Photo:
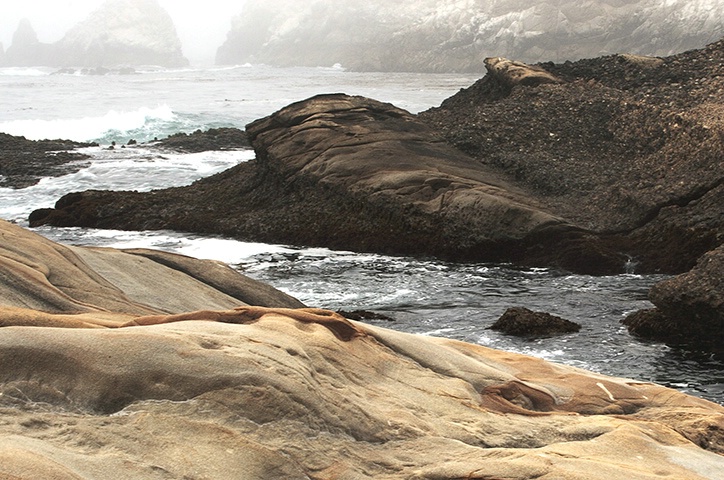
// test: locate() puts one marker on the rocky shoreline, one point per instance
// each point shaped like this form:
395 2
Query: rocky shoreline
601 166
118 363
612 166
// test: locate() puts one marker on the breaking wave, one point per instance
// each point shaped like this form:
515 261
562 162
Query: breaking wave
142 124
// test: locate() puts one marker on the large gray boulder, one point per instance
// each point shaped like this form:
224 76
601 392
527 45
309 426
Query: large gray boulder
450 35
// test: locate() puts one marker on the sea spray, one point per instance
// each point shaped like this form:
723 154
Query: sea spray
142 124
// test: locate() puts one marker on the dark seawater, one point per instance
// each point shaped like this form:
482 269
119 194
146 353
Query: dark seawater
425 296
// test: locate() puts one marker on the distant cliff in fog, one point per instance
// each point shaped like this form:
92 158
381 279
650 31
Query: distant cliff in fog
120 32
456 35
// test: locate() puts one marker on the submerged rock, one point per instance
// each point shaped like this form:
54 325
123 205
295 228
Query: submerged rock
524 322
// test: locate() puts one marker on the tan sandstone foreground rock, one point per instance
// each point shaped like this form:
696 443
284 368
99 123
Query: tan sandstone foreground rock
295 393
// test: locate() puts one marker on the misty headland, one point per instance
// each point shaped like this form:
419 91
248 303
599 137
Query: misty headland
364 35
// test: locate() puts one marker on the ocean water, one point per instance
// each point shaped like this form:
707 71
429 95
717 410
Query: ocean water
424 296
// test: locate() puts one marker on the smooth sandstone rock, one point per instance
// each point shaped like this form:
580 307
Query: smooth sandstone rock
101 379
280 394
39 274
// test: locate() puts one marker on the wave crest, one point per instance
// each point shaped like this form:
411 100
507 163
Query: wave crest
142 124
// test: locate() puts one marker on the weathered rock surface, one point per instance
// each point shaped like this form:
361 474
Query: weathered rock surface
142 364
455 35
689 307
524 322
276 393
627 147
120 32
38 274
352 173
24 162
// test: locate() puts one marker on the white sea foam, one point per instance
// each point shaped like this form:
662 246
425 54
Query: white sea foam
23 72
89 128
137 168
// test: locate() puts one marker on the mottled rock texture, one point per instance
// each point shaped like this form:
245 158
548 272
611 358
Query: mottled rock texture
24 162
140 364
629 148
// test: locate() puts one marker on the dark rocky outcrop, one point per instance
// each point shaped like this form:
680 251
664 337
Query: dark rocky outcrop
626 147
689 307
352 173
120 32
527 323
24 162
449 35
606 165
201 141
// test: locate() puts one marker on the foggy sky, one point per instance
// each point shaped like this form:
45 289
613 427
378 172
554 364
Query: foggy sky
202 25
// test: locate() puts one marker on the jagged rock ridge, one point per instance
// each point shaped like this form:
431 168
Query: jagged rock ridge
625 146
